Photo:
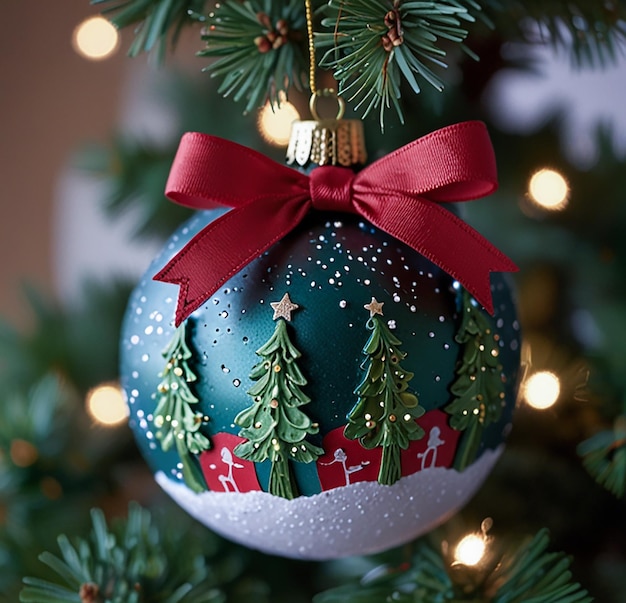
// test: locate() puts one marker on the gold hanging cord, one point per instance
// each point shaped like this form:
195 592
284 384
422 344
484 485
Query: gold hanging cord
315 93
309 32
324 141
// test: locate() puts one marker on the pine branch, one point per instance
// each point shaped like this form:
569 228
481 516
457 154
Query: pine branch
135 174
49 471
135 561
373 46
593 32
154 20
377 44
260 49
61 339
33 429
604 456
526 573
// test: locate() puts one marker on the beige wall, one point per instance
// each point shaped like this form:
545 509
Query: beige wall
51 100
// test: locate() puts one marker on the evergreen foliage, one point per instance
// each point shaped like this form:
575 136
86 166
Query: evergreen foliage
274 426
134 169
154 21
526 573
136 176
44 368
604 456
177 423
59 335
478 388
594 33
385 412
260 49
136 561
376 44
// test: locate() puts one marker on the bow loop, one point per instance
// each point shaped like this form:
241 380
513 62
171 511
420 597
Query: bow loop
400 194
331 189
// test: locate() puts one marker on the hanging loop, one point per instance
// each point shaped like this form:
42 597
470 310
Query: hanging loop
326 92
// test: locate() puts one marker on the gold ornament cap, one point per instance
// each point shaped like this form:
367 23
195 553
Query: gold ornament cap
327 141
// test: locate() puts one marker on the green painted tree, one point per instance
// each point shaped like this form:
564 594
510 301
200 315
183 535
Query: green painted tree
385 412
478 389
275 427
177 423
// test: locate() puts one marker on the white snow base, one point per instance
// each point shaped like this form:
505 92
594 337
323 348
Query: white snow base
357 519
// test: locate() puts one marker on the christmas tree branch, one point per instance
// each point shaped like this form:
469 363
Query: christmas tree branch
372 46
594 33
137 560
604 456
154 21
260 47
527 572
135 172
60 336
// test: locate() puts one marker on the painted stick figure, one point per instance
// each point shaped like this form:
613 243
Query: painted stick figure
341 457
434 441
226 480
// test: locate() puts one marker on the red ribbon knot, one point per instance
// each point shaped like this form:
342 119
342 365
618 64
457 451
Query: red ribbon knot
401 194
331 189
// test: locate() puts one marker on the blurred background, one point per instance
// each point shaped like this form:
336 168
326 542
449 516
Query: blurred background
85 148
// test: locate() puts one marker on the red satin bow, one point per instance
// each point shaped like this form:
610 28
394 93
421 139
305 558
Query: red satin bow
398 193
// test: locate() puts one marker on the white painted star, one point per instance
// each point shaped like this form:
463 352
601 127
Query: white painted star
375 307
284 308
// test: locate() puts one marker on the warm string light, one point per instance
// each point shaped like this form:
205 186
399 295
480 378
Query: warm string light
470 550
473 559
274 122
95 39
548 189
106 405
541 390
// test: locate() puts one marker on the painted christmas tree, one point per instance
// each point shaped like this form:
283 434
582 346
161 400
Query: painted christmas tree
385 412
479 386
177 423
275 427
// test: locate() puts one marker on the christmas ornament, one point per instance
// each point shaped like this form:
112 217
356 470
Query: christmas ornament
327 383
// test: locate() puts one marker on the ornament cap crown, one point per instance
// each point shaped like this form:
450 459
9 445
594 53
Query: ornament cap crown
327 141
339 142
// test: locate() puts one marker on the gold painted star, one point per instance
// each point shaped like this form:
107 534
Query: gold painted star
375 307
284 308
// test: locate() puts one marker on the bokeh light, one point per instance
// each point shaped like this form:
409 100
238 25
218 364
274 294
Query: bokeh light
275 123
548 189
470 550
106 405
23 453
541 390
95 38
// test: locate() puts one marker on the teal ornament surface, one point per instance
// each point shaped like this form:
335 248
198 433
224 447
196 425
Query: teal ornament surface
331 267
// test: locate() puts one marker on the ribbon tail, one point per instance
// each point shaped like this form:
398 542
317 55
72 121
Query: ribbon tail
447 242
233 240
